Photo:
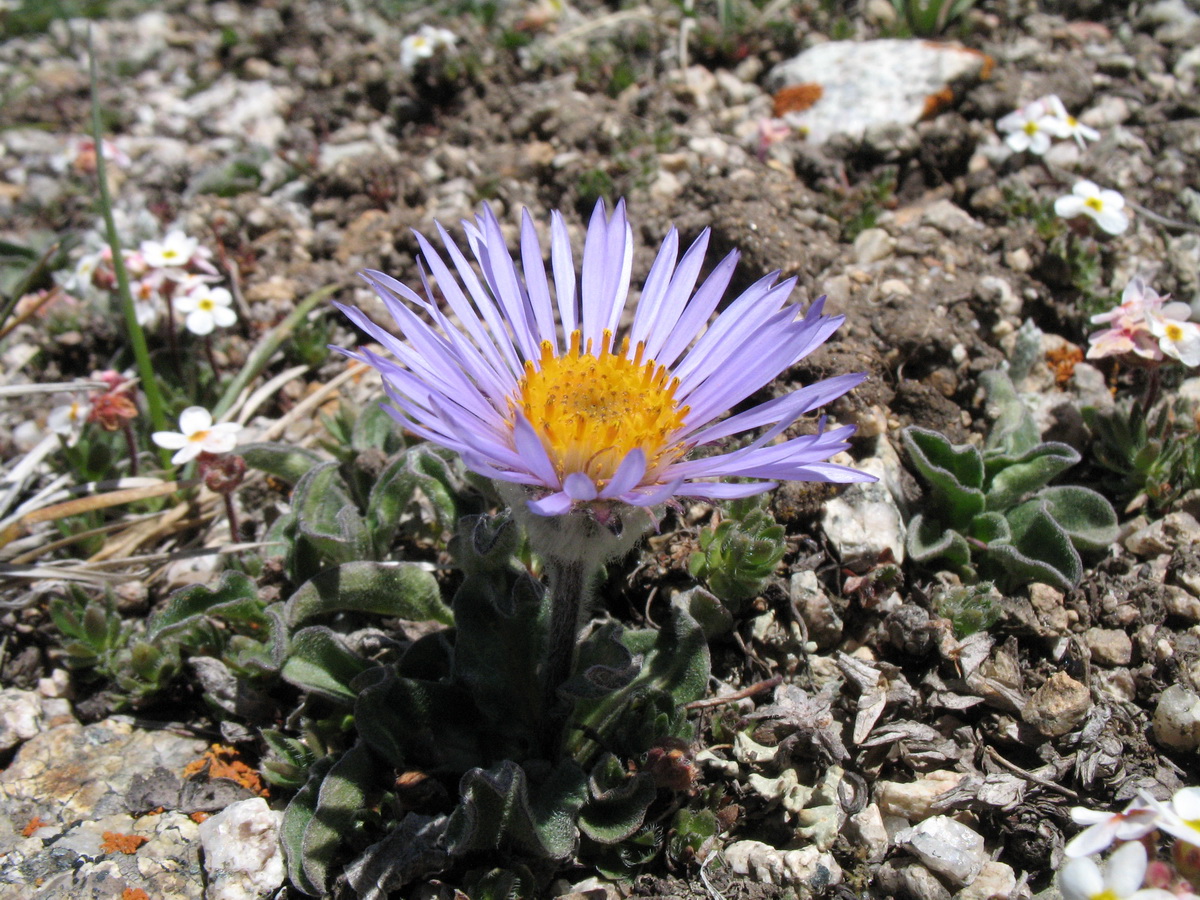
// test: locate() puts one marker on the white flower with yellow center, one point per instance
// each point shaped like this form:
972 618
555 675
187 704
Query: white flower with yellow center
1121 878
1087 198
67 420
173 252
197 434
1030 128
1069 126
1177 337
206 308
422 45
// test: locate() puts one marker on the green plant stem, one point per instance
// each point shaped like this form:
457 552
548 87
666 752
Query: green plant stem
570 590
137 338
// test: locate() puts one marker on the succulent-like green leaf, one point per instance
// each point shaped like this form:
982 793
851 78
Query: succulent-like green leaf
690 829
290 760
929 539
1040 550
419 471
400 589
1086 516
617 801
955 473
1014 433
990 527
738 556
286 461
1027 473
235 599
296 819
329 528
319 662
500 810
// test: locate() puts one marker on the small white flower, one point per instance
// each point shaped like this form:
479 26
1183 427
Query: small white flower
172 252
1030 128
1082 879
1068 125
1181 817
197 434
1177 337
67 420
206 308
1088 199
1135 821
422 45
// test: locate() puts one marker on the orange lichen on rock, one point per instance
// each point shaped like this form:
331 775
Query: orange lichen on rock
797 97
1062 361
122 843
134 894
198 816
936 102
34 824
220 761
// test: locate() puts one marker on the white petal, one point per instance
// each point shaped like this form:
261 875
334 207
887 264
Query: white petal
1080 879
1186 803
193 419
187 453
200 322
1112 220
1126 869
169 440
1069 207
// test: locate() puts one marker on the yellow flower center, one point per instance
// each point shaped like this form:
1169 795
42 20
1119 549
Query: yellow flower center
1094 203
1106 894
1031 128
1174 332
206 305
1072 121
590 410
198 436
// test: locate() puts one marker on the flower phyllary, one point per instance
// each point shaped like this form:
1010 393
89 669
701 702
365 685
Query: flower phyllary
1104 206
579 415
197 434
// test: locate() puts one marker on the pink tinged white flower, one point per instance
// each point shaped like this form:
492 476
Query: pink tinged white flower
1130 329
575 414
197 434
422 45
173 252
1181 817
1135 821
1069 126
1121 878
206 308
1030 128
1177 337
67 420
1087 198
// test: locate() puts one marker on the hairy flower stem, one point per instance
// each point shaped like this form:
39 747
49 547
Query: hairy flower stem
131 443
231 515
570 595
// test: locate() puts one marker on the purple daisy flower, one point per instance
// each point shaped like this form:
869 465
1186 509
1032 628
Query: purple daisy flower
578 414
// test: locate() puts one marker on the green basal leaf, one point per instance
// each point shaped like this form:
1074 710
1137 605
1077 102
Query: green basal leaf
419 472
1040 550
954 473
401 590
296 818
990 527
374 429
1014 433
345 791
690 829
928 539
1086 516
235 599
500 810
286 461
1027 473
617 801
320 663
329 527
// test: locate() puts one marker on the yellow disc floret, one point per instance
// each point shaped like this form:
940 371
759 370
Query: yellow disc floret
591 408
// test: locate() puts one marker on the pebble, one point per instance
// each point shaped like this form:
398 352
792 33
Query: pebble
823 623
1163 536
997 292
873 245
807 868
243 859
867 831
863 521
1109 646
948 218
20 716
948 847
1048 604
914 800
995 881
1058 705
1176 721
1182 603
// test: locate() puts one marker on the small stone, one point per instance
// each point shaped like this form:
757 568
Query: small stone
1048 604
997 292
57 686
948 218
815 607
914 800
948 847
995 881
1177 719
1058 705
908 879
1018 260
866 829
20 716
806 868
872 245
1163 536
1182 603
1109 646
242 854
863 521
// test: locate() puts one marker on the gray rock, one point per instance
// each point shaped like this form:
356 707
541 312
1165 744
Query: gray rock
948 847
1171 531
823 623
20 716
949 219
1059 705
872 245
1177 719
995 881
869 84
1109 646
864 521
243 859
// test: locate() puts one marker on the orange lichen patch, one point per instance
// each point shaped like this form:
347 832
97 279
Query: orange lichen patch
34 824
797 97
198 816
122 843
1062 361
936 102
134 894
220 761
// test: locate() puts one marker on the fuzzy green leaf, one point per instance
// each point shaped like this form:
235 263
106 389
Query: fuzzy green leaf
328 524
954 473
344 793
1086 516
1027 473
617 801
403 590
320 663
235 599
928 539
418 471
286 461
1040 550
296 819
